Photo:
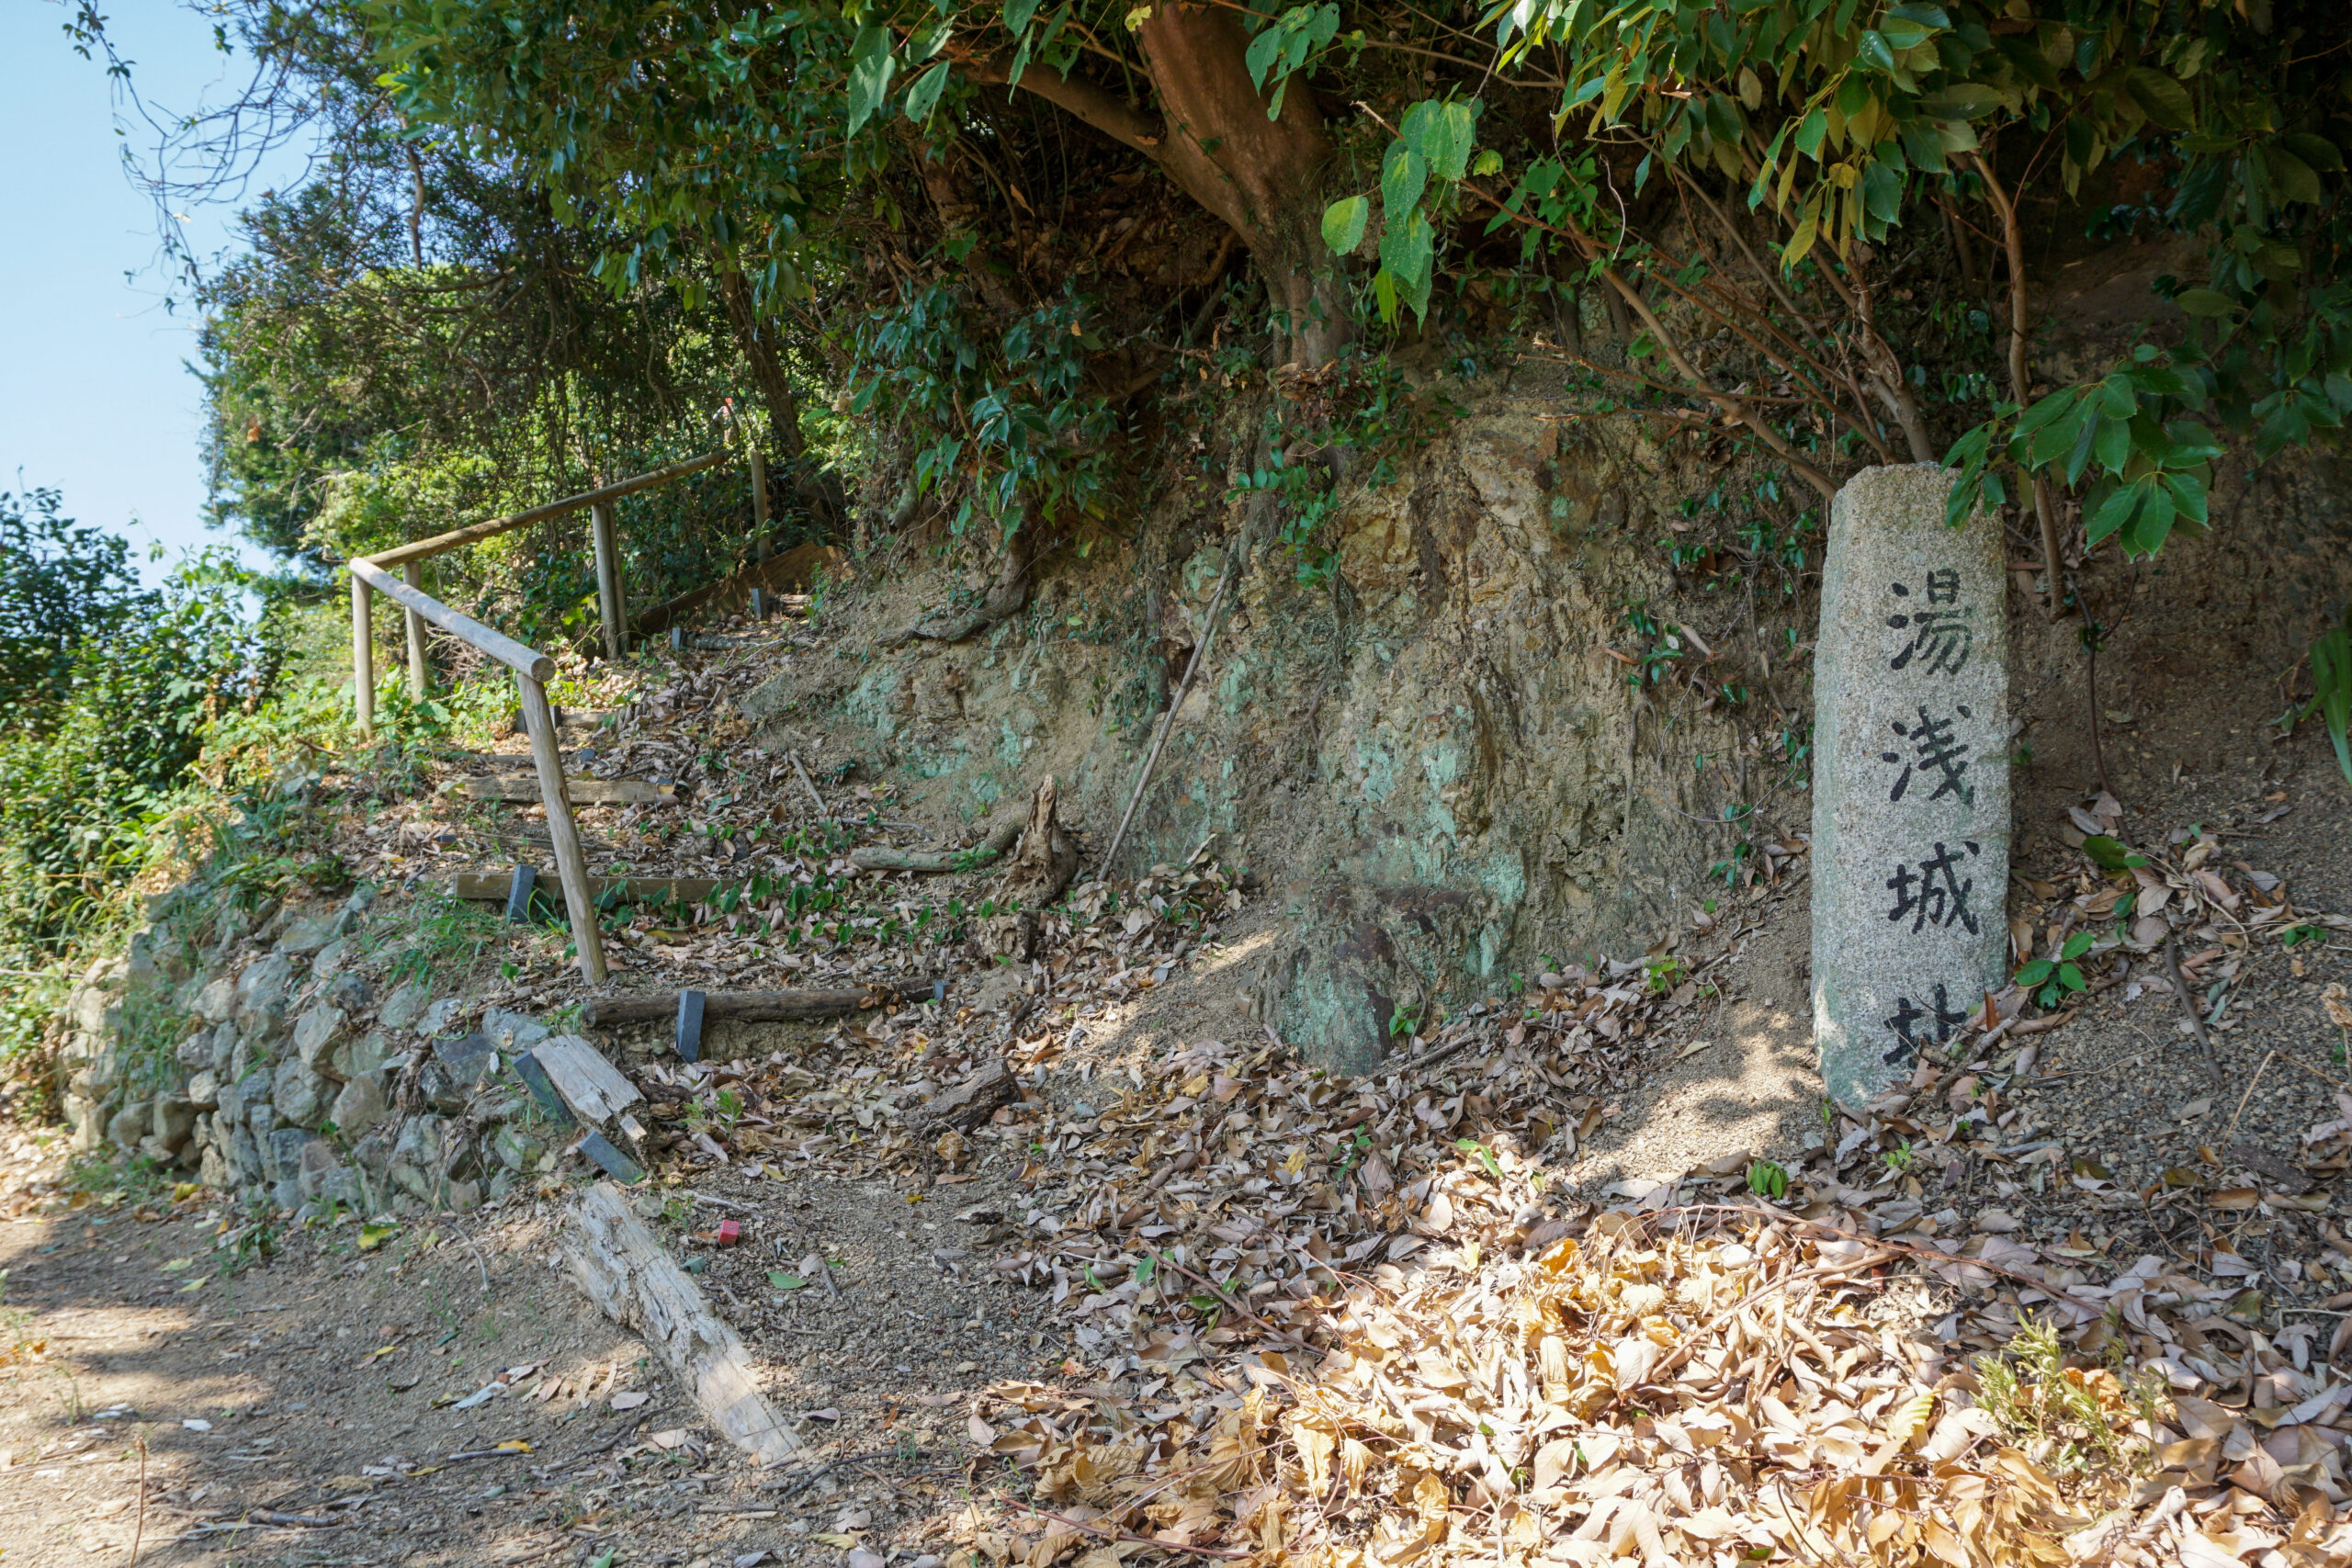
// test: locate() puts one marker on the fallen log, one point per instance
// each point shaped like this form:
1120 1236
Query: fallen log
632 1279
979 854
763 1007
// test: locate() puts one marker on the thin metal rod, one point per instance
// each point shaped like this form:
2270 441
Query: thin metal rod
420 674
400 554
366 574
759 504
609 604
1200 657
579 902
363 657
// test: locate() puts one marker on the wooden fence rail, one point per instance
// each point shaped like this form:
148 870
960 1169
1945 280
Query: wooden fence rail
532 669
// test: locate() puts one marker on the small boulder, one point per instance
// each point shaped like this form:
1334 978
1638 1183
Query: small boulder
127 1126
316 1033
403 1006
285 1155
436 1019
513 1033
172 1123
306 934
351 993
369 1053
515 1149
361 1106
264 982
204 1091
298 1092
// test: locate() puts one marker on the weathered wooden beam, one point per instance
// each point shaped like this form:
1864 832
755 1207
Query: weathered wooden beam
766 1007
492 886
525 662
583 791
474 532
632 1279
570 865
599 1094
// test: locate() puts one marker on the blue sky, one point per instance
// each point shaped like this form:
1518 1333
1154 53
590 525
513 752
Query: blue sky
96 398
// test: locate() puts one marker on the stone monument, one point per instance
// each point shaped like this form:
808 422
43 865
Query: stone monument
1910 778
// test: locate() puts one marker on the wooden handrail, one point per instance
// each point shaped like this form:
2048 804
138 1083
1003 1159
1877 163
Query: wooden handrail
498 644
473 533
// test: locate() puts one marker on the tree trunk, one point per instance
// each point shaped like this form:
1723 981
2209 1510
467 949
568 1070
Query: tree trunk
757 342
1212 137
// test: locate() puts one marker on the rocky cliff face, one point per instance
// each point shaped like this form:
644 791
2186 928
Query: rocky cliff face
1430 754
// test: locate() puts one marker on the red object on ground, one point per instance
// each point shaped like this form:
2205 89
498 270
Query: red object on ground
729 1233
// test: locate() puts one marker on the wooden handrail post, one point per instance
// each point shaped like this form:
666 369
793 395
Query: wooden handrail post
578 897
419 673
608 580
759 501
363 657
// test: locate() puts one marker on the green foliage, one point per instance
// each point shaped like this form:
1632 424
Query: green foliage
2060 976
1767 1179
107 691
999 422
2332 677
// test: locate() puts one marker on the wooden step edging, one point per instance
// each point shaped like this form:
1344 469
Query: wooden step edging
764 1007
582 791
477 886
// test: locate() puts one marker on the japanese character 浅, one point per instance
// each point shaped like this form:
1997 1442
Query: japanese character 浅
1937 752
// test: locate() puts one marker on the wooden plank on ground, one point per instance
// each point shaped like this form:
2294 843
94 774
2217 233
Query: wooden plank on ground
492 886
767 1007
583 791
633 1280
599 1094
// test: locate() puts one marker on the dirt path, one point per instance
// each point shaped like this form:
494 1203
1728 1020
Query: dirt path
304 1410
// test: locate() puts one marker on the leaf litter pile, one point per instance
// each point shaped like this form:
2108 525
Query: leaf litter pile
1359 1321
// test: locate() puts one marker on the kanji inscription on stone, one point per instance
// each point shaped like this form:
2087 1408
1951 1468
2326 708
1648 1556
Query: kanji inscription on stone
1910 784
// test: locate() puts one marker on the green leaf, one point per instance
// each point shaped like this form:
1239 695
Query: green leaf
1343 223
1017 14
2113 854
1404 176
2071 978
1813 132
1962 100
2296 180
869 74
2164 100
2317 151
784 1281
2077 944
1441 132
2035 973
923 96
2332 680
2204 302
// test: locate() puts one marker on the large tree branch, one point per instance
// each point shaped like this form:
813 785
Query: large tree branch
2045 506
1105 111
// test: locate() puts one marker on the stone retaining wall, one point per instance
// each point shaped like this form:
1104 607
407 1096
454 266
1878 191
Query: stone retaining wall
267 1065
